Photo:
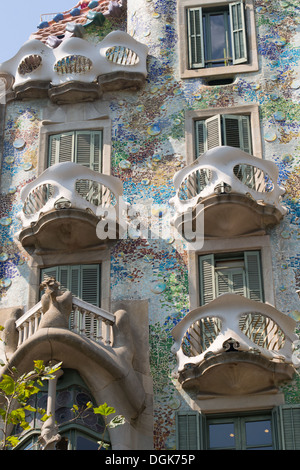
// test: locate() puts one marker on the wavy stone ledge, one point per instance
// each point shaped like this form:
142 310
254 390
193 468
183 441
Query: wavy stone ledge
235 373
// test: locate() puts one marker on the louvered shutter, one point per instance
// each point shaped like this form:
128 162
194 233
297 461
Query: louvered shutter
64 278
49 272
200 138
286 424
190 430
90 284
213 132
236 131
231 280
238 281
61 148
222 282
195 38
74 280
245 133
207 279
238 32
253 275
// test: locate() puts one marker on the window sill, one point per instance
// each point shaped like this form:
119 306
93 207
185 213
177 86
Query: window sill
220 72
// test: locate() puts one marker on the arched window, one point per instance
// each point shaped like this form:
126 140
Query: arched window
80 431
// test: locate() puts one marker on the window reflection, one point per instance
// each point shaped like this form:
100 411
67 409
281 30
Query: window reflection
222 435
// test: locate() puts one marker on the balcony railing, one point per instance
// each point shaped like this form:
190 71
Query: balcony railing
117 62
70 185
225 170
85 319
234 322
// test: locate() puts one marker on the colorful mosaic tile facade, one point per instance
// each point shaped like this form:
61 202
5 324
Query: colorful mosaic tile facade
148 147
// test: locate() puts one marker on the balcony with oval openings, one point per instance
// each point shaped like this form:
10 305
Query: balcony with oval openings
64 205
237 193
234 346
77 70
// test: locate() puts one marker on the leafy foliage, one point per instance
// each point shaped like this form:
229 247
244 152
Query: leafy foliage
15 392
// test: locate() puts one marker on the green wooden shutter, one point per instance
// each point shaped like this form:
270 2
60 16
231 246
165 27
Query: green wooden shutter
207 279
200 138
49 272
253 275
213 130
230 280
238 33
61 148
195 38
82 147
74 280
64 278
236 131
245 134
90 284
190 430
286 425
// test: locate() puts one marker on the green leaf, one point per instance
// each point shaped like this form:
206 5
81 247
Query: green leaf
103 445
13 440
116 421
29 408
104 410
7 384
45 417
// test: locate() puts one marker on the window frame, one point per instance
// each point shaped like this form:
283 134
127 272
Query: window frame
222 71
204 114
229 245
285 424
245 271
239 422
49 128
69 269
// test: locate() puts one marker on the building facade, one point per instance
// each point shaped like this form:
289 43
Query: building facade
150 220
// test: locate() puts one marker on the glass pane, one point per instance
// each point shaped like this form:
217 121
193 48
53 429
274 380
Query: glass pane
217 30
86 444
258 433
221 435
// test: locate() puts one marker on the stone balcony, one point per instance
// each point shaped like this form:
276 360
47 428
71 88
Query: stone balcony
76 70
237 192
234 346
64 205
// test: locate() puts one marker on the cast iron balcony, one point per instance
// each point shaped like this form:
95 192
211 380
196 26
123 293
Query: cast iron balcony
63 206
238 193
234 345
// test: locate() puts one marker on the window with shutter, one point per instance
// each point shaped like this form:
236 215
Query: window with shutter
238 273
216 36
82 147
286 421
82 280
190 430
226 129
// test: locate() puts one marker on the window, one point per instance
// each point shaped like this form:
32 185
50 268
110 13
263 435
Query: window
82 431
277 429
82 147
227 129
82 280
237 273
216 38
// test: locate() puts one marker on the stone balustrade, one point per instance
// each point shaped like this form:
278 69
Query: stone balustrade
85 319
